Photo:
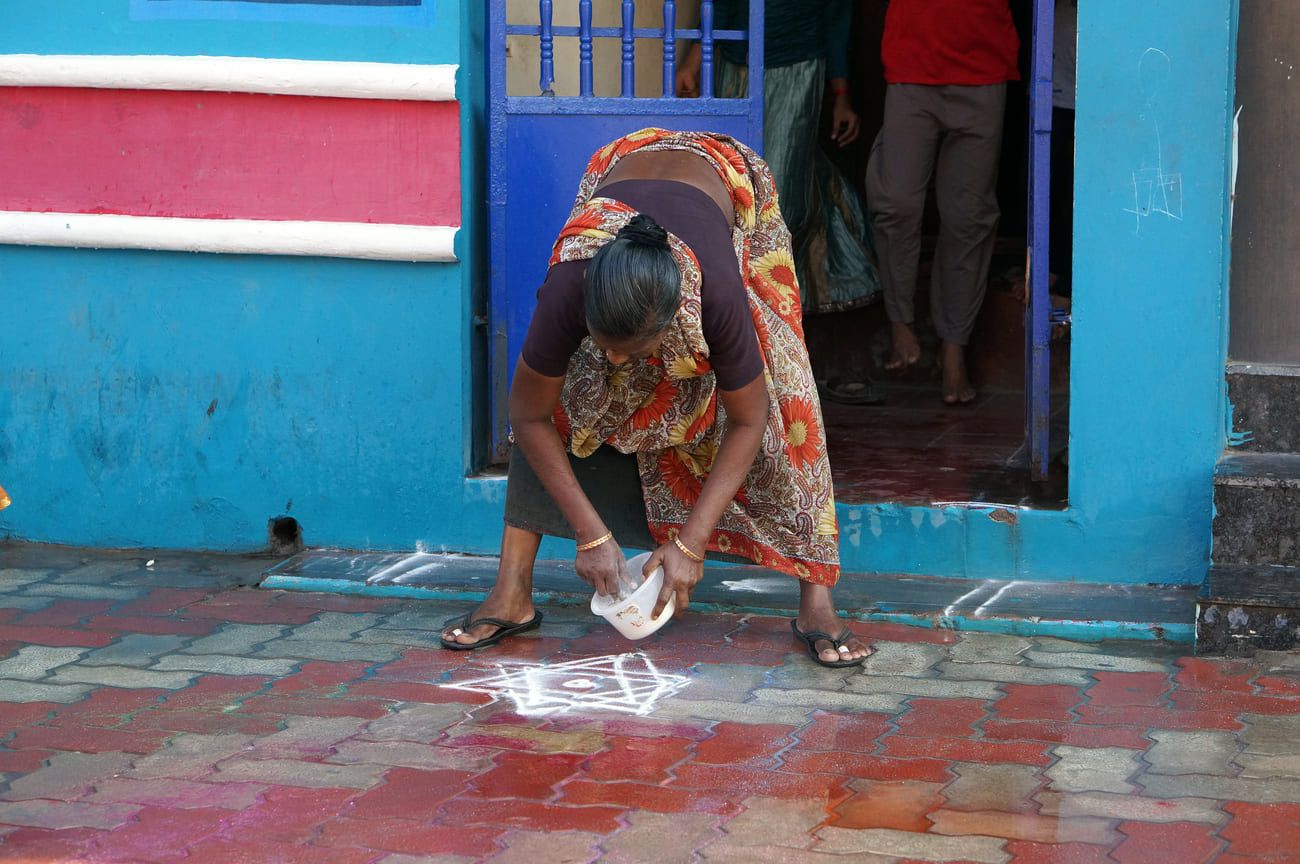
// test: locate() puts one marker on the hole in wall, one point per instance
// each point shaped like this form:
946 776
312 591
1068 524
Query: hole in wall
284 535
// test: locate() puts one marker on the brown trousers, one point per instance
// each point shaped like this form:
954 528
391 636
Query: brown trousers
953 135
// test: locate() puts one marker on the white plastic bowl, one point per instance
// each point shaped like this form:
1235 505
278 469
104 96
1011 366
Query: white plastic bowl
631 615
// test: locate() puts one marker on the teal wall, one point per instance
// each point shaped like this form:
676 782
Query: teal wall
352 388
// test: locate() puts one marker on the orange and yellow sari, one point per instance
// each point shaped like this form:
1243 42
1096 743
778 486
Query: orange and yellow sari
665 409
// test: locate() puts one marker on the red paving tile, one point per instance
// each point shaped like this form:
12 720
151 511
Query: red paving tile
1129 689
409 793
741 743
530 815
645 760
1216 676
205 722
45 846
22 761
57 637
642 796
1271 831
216 692
525 775
308 706
162 601
1074 734
1237 703
160 834
15 714
250 612
157 626
773 784
107 706
848 732
288 814
409 691
850 764
1184 842
408 837
1160 718
64 613
88 739
887 632
1024 852
318 678
964 750
1271 685
1037 702
223 851
901 806
946 718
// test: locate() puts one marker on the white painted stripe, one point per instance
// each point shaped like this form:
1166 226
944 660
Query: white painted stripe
237 236
353 80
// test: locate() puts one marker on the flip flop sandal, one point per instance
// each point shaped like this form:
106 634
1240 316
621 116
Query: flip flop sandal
812 637
851 393
507 628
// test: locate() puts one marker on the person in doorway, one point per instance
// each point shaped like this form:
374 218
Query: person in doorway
946 67
805 50
664 398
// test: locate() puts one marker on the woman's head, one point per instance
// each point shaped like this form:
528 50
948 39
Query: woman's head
633 290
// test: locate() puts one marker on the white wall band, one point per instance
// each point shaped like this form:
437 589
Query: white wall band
235 236
345 79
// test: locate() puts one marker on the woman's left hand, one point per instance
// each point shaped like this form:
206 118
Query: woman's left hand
845 123
681 575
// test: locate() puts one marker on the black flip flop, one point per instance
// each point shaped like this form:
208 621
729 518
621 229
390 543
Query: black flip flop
812 637
507 628
867 394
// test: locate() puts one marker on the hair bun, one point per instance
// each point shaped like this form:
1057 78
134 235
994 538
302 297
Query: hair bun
641 230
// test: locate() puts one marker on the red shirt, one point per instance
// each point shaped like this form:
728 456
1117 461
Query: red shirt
970 42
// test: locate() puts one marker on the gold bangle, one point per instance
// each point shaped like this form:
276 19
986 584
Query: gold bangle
698 559
594 543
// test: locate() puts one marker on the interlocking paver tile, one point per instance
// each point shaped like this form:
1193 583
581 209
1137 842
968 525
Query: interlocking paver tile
409 754
1027 852
908 844
1270 831
726 851
936 688
57 636
221 664
416 722
410 793
668 838
523 775
121 676
1024 826
1184 842
941 717
1009 674
385 636
61 613
189 756
796 673
83 592
904 658
235 639
1093 769
65 814
769 711
531 815
66 776
1271 735
850 732
1145 808
738 743
646 796
409 836
88 739
295 772
333 626
34 662
306 737
867 766
41 845
988 648
776 822
1007 788
519 737
1260 791
723 680
182 794
1192 752
303 649
645 760
1037 702
967 750
1092 660
160 834
900 804
1258 765
135 649
845 701
402 858
564 847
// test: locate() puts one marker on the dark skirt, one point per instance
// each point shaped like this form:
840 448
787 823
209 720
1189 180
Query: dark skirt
610 480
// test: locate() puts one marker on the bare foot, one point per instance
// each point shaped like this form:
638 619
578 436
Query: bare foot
906 350
957 389
817 612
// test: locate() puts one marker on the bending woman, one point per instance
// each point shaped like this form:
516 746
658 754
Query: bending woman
664 398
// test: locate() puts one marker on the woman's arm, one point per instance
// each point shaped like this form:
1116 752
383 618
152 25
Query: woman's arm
747 410
533 399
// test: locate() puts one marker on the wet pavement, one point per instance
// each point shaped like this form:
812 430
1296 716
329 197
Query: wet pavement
168 713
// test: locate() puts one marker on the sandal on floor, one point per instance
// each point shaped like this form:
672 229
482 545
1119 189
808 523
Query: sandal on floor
507 628
812 637
850 393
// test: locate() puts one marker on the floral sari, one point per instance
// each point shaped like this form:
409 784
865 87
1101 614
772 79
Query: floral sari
665 409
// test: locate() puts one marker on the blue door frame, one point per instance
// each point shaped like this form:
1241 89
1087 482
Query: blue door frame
540 144
1038 314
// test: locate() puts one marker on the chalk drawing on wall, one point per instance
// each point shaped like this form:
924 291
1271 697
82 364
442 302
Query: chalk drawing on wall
1156 191
380 13
626 683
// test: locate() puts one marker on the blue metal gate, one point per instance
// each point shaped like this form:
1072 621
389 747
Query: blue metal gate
1039 315
539 145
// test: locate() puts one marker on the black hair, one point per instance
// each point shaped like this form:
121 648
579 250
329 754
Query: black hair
633 286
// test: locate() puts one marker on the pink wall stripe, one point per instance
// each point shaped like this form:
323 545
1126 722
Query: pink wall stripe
229 156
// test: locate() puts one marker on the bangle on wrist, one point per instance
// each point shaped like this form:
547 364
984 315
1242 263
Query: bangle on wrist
698 559
584 547
839 89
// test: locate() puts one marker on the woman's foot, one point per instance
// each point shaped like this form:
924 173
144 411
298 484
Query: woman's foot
817 613
511 598
957 389
906 349
515 610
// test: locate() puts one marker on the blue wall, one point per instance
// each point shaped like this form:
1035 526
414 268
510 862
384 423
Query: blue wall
351 388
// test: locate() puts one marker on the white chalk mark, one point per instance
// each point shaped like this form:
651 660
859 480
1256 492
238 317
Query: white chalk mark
952 607
1155 190
626 683
979 613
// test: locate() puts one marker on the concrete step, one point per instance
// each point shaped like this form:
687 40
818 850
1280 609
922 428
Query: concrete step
1247 608
1257 509
1265 407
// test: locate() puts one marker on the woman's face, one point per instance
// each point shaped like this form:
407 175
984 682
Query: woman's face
618 351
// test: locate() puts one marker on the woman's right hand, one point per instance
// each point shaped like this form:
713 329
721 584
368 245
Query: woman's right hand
603 567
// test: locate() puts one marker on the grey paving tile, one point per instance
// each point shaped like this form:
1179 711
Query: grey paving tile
1149 807
333 626
908 844
418 722
121 676
33 662
1090 660
135 649
66 775
932 688
830 701
179 794
337 651
1178 752
77 591
33 691
749 712
1271 735
294 772
1008 788
904 658
226 665
1093 769
988 648
235 639
189 756
60 815
1258 790
1008 674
